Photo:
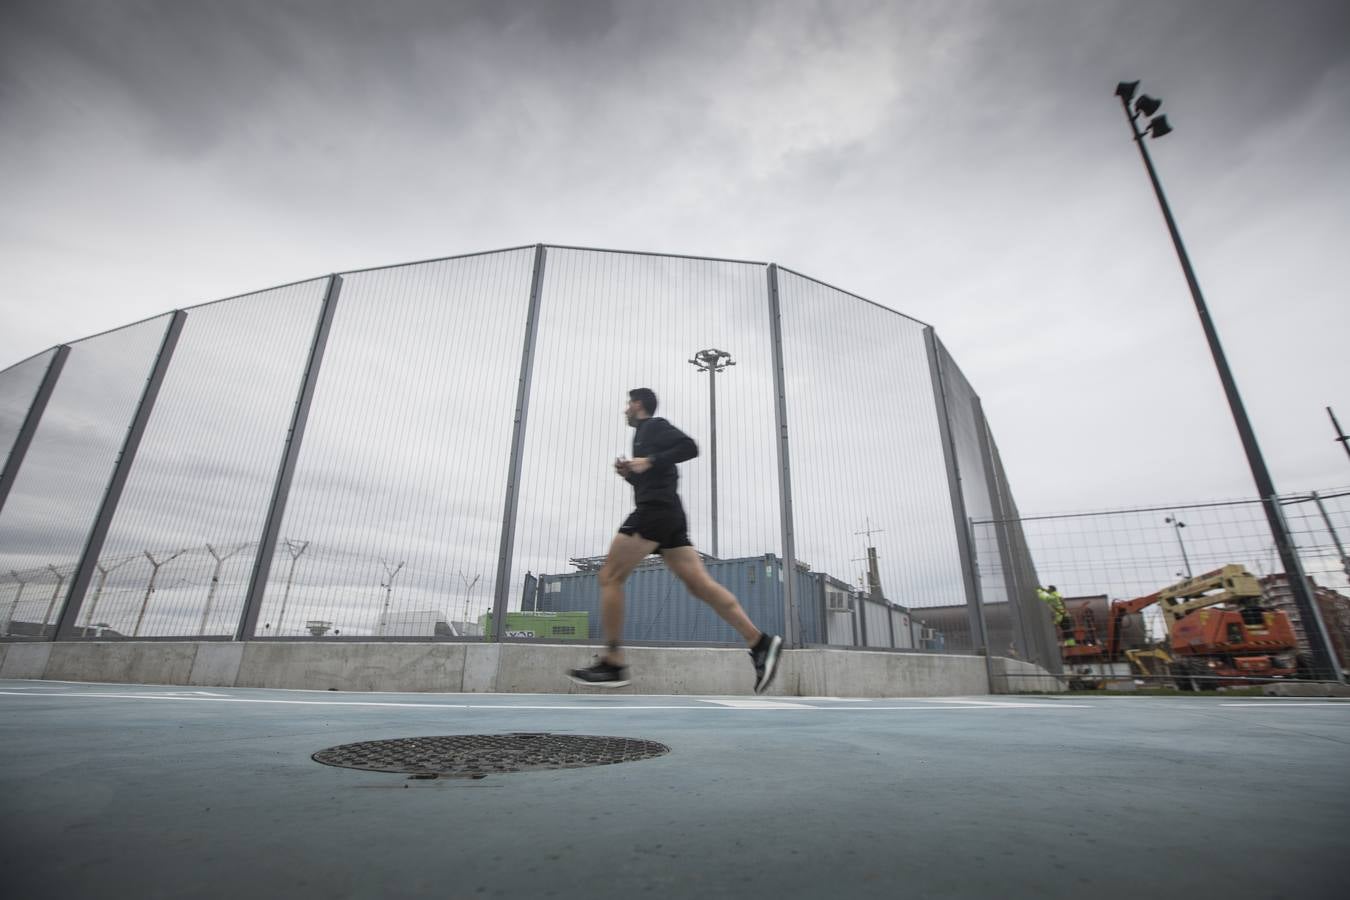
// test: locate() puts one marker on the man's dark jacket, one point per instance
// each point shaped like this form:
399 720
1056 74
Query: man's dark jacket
665 445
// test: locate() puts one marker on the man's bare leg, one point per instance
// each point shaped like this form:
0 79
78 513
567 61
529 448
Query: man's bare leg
625 552
688 565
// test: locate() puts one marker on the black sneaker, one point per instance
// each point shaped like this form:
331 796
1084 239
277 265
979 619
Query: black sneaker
602 674
765 656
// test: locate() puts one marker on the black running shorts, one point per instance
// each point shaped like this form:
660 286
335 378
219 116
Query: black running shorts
664 524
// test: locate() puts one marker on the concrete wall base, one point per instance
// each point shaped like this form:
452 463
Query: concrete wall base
508 668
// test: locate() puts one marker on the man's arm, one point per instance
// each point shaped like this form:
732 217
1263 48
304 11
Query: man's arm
671 445
624 469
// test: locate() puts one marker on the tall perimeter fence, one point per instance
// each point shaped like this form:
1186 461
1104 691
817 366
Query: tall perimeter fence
424 452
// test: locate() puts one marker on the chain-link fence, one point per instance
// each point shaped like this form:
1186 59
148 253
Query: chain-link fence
1191 596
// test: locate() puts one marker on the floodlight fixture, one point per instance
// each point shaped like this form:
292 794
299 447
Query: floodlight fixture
1147 105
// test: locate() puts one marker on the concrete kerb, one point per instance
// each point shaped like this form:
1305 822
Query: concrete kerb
123 662
444 667
216 665
433 667
25 660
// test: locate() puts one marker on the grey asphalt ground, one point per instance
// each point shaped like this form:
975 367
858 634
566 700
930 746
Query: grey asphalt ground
144 791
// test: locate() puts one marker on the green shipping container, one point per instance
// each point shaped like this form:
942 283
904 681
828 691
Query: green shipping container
558 626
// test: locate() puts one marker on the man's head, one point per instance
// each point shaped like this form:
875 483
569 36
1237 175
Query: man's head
641 405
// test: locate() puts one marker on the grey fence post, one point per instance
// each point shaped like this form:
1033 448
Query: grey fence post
1331 529
1010 580
281 489
964 543
823 605
84 570
30 422
1024 570
791 615
507 549
1314 626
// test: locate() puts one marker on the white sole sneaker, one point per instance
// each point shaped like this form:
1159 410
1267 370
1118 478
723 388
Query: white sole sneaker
600 684
770 664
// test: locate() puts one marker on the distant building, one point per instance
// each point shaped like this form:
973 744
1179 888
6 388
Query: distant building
415 623
37 630
1334 606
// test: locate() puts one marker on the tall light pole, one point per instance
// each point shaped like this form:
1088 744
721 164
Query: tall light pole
713 362
1323 659
1178 524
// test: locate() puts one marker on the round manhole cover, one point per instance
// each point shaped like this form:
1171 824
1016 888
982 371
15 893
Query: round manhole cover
476 755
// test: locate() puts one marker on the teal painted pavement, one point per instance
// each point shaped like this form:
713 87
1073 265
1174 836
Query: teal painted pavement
145 791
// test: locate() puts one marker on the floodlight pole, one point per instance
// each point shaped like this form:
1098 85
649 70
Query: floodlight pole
1319 643
1177 524
713 362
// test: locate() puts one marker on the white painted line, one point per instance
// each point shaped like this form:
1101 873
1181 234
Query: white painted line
1280 704
759 704
222 699
1010 704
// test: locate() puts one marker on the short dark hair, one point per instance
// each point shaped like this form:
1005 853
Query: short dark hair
645 397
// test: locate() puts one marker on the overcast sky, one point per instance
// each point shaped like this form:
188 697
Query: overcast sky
962 162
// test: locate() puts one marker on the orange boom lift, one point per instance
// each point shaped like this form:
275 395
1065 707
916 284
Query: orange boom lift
1217 626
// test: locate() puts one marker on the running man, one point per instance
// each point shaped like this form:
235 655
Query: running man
658 524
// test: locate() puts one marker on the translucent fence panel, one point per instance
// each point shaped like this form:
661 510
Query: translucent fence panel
51 508
966 423
1320 525
866 455
393 523
1035 633
18 388
1015 623
611 322
180 549
964 419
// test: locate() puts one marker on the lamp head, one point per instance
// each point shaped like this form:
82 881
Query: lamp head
1159 127
1125 90
1147 105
